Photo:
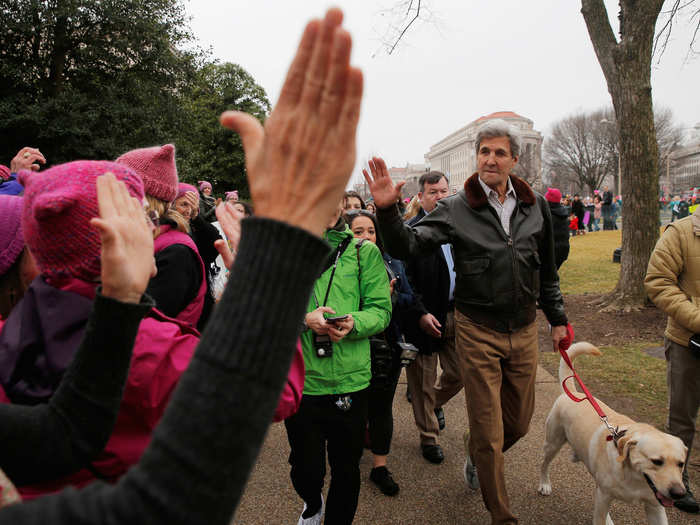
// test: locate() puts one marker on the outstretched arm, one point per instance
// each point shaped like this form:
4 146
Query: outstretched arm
201 454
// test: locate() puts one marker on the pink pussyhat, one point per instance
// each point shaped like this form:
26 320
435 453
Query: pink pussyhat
4 173
11 239
204 184
156 167
232 195
553 195
183 188
58 206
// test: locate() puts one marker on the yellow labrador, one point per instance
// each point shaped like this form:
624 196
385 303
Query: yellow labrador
644 467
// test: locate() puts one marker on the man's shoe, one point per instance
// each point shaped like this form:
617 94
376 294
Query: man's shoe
470 475
440 414
687 503
433 453
382 479
316 519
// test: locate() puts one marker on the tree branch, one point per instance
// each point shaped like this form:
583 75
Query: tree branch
408 25
602 36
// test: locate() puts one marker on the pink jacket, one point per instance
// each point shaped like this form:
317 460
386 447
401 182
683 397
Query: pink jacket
290 399
168 237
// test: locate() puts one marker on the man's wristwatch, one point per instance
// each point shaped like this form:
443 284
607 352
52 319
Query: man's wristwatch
304 326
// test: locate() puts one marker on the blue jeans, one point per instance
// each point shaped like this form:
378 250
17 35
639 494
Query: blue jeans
596 226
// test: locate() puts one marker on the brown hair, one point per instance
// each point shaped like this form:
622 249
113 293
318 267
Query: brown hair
164 210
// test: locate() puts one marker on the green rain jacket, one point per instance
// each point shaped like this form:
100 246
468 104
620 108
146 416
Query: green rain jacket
348 369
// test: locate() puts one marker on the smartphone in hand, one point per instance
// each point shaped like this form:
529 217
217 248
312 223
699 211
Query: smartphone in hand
332 319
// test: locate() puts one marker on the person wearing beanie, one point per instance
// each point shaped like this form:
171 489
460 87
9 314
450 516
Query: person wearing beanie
560 225
207 203
232 196
48 440
17 266
204 235
41 335
179 288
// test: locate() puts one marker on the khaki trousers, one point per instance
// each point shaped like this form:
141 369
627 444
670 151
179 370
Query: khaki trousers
499 372
426 394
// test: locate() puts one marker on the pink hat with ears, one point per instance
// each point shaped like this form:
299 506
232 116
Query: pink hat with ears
11 239
4 172
58 206
204 184
553 195
232 195
156 167
183 188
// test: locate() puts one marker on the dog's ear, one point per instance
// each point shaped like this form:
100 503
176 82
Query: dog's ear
624 444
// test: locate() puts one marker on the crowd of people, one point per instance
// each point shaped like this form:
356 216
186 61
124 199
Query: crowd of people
132 391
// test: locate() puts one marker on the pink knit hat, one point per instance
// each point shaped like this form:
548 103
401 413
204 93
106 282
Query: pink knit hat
553 195
183 188
11 240
204 184
4 172
232 195
58 206
156 167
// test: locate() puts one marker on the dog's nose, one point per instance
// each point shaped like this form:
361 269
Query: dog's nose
677 491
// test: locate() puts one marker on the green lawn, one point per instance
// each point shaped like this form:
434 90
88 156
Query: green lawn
589 268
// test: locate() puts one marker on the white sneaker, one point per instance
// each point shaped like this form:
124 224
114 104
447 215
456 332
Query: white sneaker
316 519
470 475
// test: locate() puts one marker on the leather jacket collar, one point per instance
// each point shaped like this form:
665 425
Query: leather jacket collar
476 197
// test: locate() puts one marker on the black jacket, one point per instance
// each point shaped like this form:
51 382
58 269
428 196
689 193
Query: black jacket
430 281
560 227
500 277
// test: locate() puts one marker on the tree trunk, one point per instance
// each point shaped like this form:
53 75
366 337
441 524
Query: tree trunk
627 69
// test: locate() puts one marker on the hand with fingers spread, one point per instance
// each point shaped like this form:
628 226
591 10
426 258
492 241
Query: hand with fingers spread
230 221
127 242
27 159
383 189
299 163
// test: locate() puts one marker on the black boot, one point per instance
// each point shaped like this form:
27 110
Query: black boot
687 503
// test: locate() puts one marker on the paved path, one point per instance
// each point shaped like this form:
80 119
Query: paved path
436 494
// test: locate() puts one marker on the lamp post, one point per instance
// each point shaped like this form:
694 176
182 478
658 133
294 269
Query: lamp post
619 165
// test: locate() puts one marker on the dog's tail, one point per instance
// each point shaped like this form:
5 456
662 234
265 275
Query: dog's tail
573 352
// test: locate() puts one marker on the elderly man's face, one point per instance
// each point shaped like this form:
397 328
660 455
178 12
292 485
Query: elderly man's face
495 162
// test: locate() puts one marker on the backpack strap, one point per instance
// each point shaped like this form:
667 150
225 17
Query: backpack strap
358 245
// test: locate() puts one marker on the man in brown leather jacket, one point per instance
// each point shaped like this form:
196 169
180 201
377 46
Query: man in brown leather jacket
501 234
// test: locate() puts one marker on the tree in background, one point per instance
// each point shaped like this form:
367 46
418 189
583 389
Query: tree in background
626 65
85 79
206 150
583 148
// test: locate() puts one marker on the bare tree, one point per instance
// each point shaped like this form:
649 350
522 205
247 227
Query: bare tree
626 65
400 17
583 147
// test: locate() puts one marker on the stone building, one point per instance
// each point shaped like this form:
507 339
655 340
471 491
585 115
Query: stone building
410 173
455 155
683 167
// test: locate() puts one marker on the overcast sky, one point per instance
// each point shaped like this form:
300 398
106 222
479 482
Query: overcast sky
471 58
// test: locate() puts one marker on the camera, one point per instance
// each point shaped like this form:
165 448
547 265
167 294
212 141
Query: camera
323 345
408 353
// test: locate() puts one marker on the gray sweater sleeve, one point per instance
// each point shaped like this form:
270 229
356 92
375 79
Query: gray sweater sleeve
51 440
203 450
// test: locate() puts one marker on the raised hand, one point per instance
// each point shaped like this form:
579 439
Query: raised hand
298 165
27 159
230 221
127 241
383 189
193 199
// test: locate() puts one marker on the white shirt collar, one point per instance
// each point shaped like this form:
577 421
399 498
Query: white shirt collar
510 191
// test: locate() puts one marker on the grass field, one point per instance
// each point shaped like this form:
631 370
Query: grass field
589 268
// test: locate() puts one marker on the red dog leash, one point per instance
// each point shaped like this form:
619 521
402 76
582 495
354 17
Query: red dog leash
564 344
